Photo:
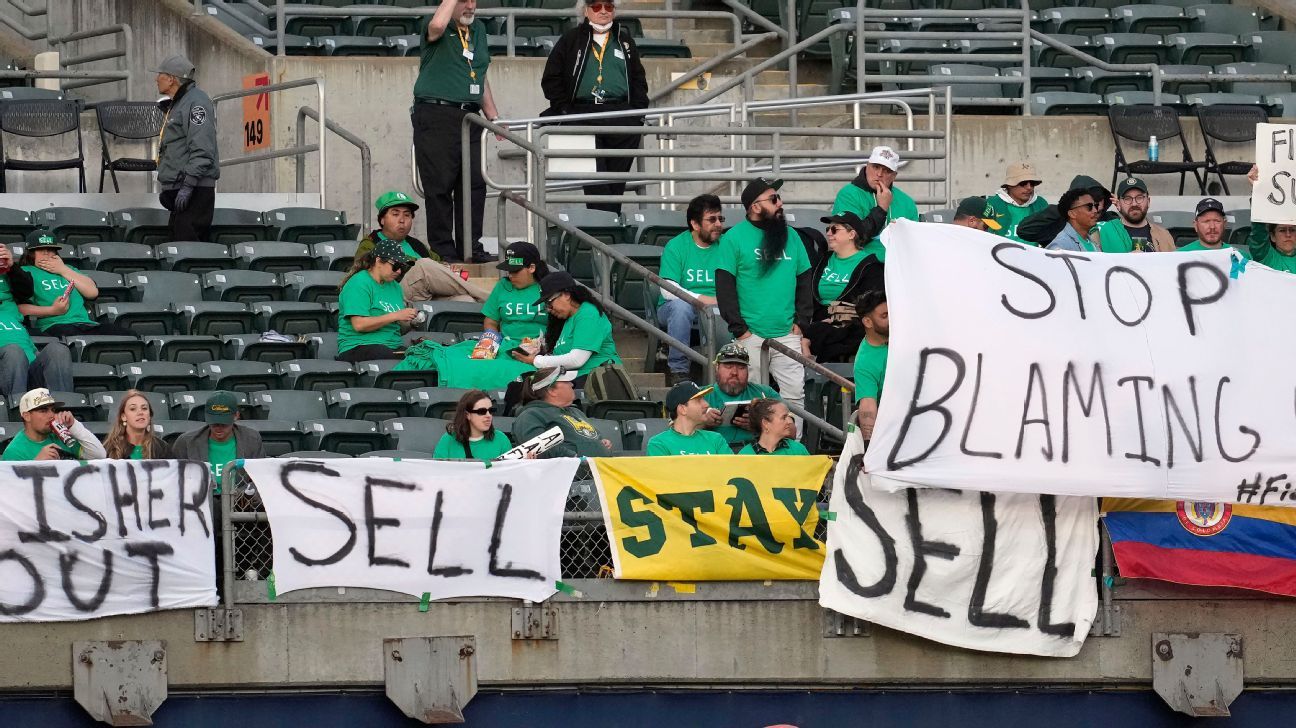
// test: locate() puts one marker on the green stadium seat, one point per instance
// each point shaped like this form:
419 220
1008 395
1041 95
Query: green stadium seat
75 402
575 256
155 314
144 319
1066 103
15 225
111 350
381 373
279 437
231 225
1046 79
162 287
308 225
288 404
193 350
241 286
170 430
314 455
1282 105
1223 98
413 433
962 89
366 403
110 285
611 430
320 375
189 405
654 226
334 254
1259 88
250 347
215 318
120 258
626 285
1151 18
905 45
456 317
1270 46
1132 48
971 47
349 437
624 409
1238 225
238 376
105 403
160 376
147 225
1078 21
88 378
662 48
1210 49
312 26
323 345
74 225
405 45
294 45
640 430
378 26
192 257
945 215
1129 98
313 286
293 318
434 401
1232 19
353 45
273 256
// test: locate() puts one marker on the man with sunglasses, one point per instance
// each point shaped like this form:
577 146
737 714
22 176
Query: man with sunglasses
1080 212
1016 200
874 186
38 440
689 261
1045 225
1132 231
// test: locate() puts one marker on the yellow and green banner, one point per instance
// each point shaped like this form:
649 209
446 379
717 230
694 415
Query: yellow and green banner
712 517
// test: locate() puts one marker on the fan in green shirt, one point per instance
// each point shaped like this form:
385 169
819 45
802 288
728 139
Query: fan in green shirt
767 292
1274 245
1211 225
371 305
733 385
871 359
875 183
471 433
513 307
686 404
453 64
689 261
775 430
580 332
1016 200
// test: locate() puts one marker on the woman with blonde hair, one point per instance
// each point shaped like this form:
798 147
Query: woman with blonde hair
131 436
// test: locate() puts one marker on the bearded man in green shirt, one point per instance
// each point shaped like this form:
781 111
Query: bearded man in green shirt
689 261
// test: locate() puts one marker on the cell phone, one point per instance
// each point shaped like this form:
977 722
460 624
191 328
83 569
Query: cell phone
517 353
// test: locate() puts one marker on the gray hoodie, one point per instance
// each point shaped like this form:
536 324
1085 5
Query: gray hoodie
187 153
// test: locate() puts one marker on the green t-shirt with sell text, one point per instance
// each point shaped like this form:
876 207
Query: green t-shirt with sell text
219 454
701 442
22 447
717 399
518 310
444 67
616 76
786 447
12 330
451 449
46 288
837 274
856 199
590 330
690 265
766 296
363 296
870 370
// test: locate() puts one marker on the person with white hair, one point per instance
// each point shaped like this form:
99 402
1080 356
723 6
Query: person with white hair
875 186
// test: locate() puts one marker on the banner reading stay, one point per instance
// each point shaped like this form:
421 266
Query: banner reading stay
1075 373
449 529
712 517
79 541
1003 573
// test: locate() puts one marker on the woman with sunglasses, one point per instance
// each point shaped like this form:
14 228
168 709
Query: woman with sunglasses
579 333
849 270
131 436
514 308
471 435
371 305
775 430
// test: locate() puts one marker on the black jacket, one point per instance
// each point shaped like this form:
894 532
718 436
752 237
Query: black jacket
368 242
867 276
563 70
1045 225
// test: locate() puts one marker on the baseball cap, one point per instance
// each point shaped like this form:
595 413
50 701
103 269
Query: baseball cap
548 377
1210 204
844 218
556 283
886 157
35 399
1019 172
977 207
519 255
1130 183
177 66
220 409
394 198
45 241
732 353
756 188
682 393
390 250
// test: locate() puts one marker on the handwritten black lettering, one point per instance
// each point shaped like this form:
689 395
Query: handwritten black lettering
501 512
37 475
978 615
1096 386
317 468
996 253
936 406
1147 293
967 426
447 571
845 572
1190 300
373 522
1043 420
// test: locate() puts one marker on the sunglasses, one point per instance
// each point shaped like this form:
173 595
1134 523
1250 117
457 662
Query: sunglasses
1027 183
834 229
772 199
1090 206
601 7
482 411
714 218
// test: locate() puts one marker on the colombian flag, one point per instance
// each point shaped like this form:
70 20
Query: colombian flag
1207 544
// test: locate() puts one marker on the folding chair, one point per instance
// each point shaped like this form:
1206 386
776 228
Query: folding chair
42 118
132 120
1229 124
1139 123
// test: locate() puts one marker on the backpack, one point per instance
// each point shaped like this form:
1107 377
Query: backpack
609 380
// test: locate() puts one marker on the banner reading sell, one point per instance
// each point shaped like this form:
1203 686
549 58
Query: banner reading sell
712 517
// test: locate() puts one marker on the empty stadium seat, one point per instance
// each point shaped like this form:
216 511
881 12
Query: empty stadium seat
962 89
334 254
1047 56
313 286
182 348
1078 21
277 436
350 437
1178 222
232 225
119 258
74 225
1186 87
90 377
273 256
413 433
105 403
1232 19
163 287
1282 105
456 317
1065 103
1270 46
656 227
1046 79
320 375
323 345
251 347
160 376
288 404
366 403
189 405
1095 80
611 430
241 286
193 257
1132 48
434 401
238 376
379 373
294 45
627 285
1209 49
293 318
1232 99
308 225
148 225
111 287
1129 98
624 409
354 45
75 402
215 318
169 430
111 350
1258 88
1152 18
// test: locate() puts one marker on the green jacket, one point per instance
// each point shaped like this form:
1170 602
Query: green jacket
580 438
1008 213
1263 251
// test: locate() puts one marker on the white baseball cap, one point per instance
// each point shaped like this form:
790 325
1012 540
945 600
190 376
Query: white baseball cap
35 399
886 157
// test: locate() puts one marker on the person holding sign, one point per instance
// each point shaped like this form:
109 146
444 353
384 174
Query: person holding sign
871 359
513 308
595 67
975 213
1080 211
689 261
686 435
453 60
471 434
547 399
371 306
131 436
850 270
222 440
428 279
50 433
580 330
59 294
1041 227
1210 224
733 388
1272 244
874 186
775 429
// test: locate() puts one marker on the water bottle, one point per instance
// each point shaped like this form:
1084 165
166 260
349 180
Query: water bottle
1154 150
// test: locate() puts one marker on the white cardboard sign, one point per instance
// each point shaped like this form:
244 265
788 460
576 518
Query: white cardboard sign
1273 199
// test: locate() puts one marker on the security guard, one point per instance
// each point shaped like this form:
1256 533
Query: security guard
188 161
451 84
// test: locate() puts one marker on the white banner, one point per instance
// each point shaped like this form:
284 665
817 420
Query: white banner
449 529
1273 199
1024 370
80 541
1002 573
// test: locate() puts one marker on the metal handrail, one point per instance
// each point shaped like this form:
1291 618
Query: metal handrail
818 368
238 15
702 68
366 159
318 83
124 53
1151 68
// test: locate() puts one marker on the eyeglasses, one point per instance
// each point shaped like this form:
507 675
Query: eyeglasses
1134 200
482 410
834 229
772 199
1090 206
713 218
601 7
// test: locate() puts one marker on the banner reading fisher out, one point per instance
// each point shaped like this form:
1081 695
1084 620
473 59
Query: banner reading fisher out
1273 199
712 517
1003 573
79 541
1018 369
448 529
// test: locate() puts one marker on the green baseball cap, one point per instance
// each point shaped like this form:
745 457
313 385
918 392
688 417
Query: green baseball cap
221 408
394 198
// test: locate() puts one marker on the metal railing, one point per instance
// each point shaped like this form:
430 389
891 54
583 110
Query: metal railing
122 52
366 160
846 385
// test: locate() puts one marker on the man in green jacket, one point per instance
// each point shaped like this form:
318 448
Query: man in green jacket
877 178
428 279
1016 200
547 402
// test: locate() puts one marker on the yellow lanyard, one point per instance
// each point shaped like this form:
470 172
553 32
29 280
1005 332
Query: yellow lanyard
465 39
598 54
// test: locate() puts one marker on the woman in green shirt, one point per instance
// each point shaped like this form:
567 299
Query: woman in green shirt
578 335
513 307
59 294
371 305
850 269
131 436
775 430
471 435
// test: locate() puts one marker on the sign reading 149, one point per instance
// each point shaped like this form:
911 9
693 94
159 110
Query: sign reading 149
256 114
